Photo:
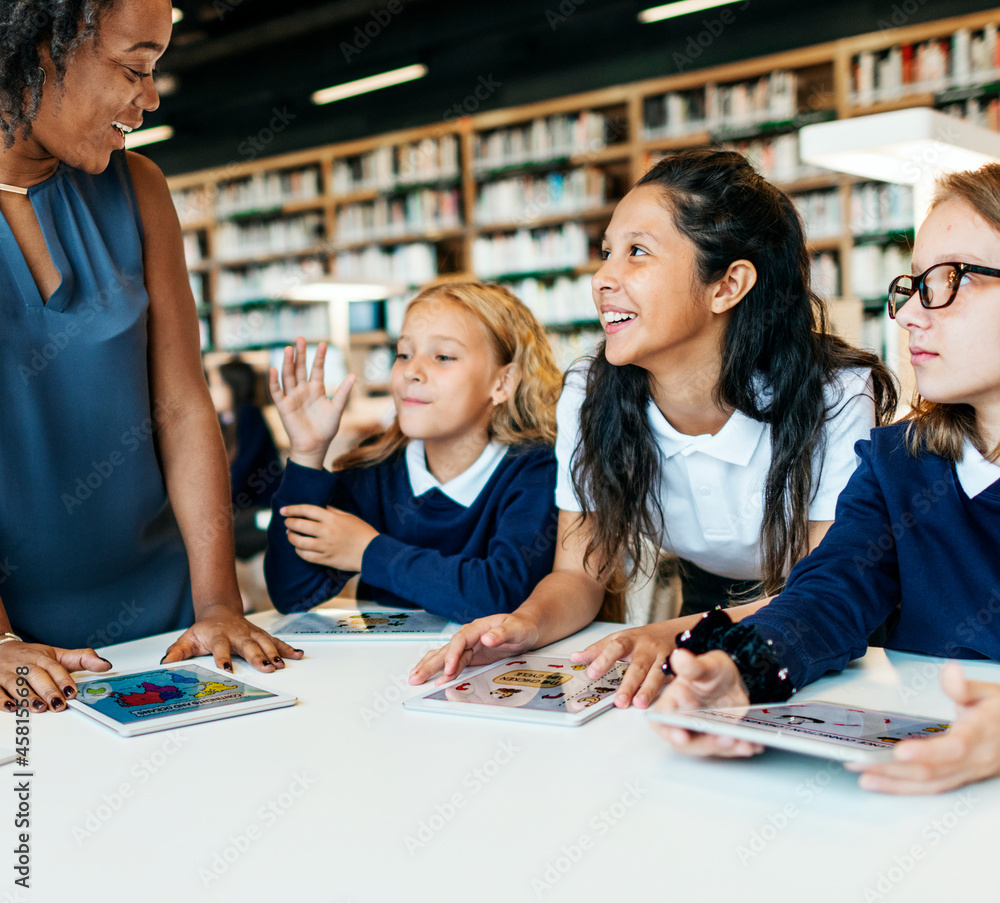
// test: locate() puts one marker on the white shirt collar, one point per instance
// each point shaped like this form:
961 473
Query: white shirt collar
975 473
463 489
734 443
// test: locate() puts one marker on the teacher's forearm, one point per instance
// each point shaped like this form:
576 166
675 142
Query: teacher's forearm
196 472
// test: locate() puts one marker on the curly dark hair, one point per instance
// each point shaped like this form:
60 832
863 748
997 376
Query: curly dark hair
27 26
779 330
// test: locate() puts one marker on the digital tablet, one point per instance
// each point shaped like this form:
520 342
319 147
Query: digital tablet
527 687
158 699
825 729
360 624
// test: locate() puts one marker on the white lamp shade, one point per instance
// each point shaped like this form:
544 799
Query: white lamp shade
903 146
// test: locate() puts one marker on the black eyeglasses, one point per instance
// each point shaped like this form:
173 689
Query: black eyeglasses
937 286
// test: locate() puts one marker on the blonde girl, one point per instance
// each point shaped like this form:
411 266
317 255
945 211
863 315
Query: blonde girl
451 508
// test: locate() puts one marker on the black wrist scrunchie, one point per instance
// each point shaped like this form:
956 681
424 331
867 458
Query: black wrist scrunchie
763 676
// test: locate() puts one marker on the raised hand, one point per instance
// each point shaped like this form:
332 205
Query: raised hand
311 419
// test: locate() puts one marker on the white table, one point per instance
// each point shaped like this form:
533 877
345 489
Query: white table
347 798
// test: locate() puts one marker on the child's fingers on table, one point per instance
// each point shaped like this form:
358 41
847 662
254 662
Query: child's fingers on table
904 783
428 666
653 680
695 744
602 655
632 682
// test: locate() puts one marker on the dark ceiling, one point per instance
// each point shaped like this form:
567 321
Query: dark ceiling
240 67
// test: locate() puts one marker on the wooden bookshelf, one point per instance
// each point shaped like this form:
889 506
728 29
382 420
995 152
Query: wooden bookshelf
820 81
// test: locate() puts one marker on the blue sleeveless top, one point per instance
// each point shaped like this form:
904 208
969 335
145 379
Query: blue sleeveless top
90 552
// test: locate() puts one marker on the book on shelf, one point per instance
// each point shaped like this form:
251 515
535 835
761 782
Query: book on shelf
542 139
524 199
530 250
965 57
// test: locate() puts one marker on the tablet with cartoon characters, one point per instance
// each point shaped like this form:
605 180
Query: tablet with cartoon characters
354 624
825 729
526 687
156 699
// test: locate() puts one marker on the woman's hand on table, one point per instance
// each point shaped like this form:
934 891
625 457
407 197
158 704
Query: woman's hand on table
311 419
705 680
969 751
479 642
644 648
37 677
220 632
327 536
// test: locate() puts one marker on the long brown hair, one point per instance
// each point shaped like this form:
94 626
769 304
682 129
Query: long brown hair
529 414
778 330
935 426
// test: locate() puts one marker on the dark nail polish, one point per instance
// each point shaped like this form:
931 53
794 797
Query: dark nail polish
9 706
68 692
56 703
227 666
300 651
162 660
38 705
277 660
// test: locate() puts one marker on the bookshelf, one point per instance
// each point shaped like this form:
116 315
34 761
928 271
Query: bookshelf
523 195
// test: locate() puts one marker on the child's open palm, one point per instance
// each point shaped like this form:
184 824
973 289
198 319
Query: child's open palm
311 419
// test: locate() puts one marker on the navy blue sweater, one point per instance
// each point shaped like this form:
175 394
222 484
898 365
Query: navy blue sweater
460 563
905 534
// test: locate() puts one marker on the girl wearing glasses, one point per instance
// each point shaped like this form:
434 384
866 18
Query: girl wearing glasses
917 526
717 420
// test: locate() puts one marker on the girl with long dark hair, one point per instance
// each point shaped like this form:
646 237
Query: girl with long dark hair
717 420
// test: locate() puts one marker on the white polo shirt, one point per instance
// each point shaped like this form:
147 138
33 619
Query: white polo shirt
975 473
712 487
463 489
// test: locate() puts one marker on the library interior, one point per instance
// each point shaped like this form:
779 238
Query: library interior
656 337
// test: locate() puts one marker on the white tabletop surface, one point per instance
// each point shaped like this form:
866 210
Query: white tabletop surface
347 798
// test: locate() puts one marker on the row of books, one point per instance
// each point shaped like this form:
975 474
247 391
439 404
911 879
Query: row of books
271 280
564 300
193 248
543 139
288 235
712 107
530 251
824 273
388 217
411 264
776 158
389 167
570 347
254 327
821 213
264 190
982 111
522 200
963 58
197 281
192 204
874 266
881 207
